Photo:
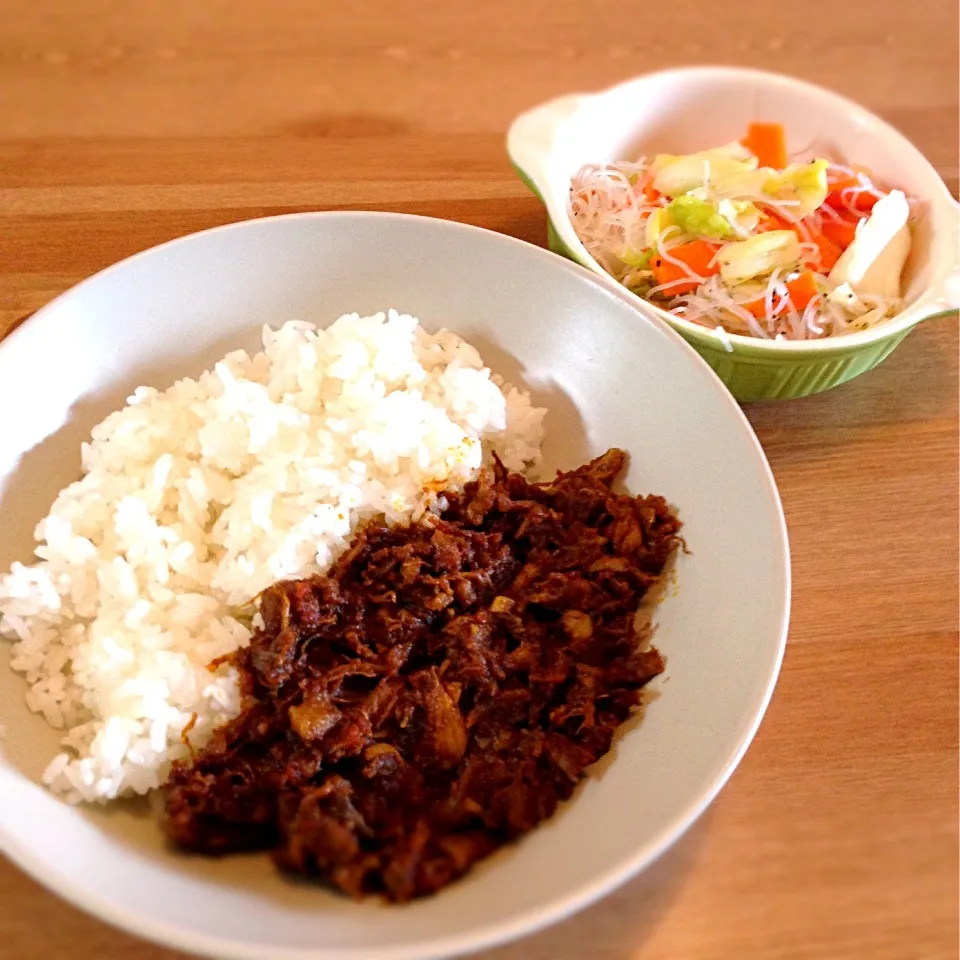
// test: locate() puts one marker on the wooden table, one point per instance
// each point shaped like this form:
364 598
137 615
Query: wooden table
123 124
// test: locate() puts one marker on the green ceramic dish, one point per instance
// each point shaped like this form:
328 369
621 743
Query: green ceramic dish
680 111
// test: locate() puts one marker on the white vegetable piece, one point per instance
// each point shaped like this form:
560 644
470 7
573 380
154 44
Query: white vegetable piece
845 297
676 175
758 256
873 263
866 320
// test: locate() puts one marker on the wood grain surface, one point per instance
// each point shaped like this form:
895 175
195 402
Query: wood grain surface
123 124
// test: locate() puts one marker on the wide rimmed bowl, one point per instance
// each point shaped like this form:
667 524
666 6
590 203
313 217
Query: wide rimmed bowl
608 377
693 108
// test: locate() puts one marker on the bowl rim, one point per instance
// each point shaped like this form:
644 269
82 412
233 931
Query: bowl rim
924 307
532 921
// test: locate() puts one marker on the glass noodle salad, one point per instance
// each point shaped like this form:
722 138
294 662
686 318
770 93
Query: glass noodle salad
740 239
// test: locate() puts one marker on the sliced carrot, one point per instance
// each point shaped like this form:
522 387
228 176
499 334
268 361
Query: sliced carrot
770 221
859 200
840 232
802 291
697 255
768 143
766 223
647 188
841 180
757 307
773 221
829 252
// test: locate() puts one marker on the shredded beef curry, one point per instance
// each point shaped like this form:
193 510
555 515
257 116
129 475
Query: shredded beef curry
440 691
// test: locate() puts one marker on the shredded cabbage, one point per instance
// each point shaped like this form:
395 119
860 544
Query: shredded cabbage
758 255
674 176
657 223
743 182
699 218
640 260
743 214
805 183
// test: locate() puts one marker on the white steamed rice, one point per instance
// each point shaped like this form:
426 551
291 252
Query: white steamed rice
196 498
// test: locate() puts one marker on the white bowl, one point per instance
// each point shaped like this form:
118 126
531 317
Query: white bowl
608 376
693 108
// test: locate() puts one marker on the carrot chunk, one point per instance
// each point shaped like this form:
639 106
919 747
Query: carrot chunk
697 255
840 232
768 143
802 291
